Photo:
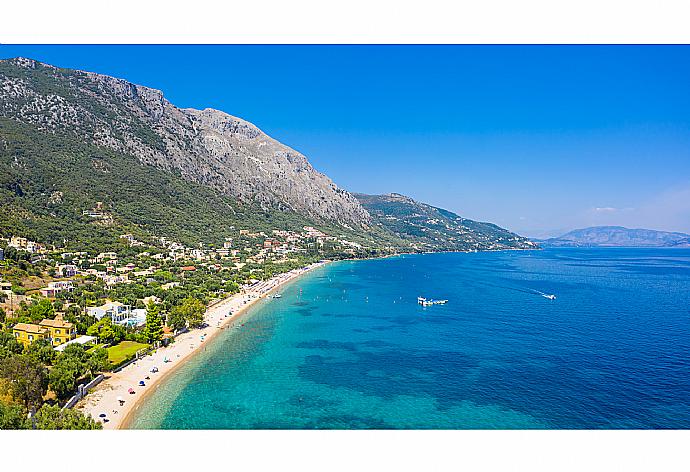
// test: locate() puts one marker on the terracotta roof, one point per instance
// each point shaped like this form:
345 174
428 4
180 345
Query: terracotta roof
188 268
30 328
58 322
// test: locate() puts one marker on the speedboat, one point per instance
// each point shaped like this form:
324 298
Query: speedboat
550 297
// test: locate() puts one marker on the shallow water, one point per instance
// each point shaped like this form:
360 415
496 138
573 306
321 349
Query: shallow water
347 346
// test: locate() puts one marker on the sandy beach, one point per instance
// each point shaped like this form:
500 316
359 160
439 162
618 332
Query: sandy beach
104 398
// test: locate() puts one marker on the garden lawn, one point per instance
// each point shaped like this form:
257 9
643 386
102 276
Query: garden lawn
123 351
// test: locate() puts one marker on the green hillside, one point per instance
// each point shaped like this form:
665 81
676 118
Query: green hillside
47 181
425 227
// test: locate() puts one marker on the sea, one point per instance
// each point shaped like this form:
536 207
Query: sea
347 346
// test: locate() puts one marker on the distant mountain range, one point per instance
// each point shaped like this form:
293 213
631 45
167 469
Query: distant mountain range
618 236
72 140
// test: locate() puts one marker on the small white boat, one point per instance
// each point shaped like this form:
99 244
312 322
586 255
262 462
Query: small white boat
549 296
277 295
429 302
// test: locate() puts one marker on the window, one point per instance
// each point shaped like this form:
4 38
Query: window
31 338
58 340
57 331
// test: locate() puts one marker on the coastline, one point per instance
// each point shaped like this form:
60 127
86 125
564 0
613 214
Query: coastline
104 398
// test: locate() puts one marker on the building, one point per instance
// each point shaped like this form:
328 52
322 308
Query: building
138 317
60 331
57 331
116 311
27 333
24 244
54 288
83 340
66 270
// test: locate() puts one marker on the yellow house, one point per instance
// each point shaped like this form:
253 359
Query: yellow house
60 330
57 331
27 333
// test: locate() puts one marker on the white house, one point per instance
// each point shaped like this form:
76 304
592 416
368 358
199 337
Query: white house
54 288
116 311
66 270
138 317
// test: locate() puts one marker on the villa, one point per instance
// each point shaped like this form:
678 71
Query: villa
66 270
60 331
26 333
54 288
57 331
116 311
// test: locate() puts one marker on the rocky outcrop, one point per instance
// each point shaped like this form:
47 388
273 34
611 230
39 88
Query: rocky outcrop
207 146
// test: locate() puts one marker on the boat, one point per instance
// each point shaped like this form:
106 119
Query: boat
549 296
277 295
429 302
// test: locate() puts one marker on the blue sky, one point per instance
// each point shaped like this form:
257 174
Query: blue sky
539 139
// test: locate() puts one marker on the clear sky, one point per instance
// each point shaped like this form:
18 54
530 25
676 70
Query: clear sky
539 139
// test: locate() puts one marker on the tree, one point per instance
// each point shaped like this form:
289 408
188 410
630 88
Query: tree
63 378
13 417
28 379
106 334
154 324
69 367
42 351
53 417
192 310
98 361
40 310
176 318
9 345
106 331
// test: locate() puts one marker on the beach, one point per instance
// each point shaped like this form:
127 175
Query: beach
104 399
353 349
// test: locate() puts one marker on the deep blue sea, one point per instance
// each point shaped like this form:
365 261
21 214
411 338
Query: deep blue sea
347 346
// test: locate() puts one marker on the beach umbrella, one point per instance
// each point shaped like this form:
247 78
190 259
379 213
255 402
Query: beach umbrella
131 390
141 382
102 415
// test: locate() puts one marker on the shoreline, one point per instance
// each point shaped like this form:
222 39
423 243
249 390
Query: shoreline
104 398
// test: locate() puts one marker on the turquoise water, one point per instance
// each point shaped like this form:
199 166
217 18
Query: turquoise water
349 347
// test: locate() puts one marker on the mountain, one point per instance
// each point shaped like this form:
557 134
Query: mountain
207 147
85 157
428 228
618 236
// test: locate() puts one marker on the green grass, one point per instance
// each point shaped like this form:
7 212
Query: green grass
125 350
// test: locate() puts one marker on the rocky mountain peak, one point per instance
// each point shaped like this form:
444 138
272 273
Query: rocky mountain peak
207 146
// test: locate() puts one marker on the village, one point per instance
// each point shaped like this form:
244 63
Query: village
108 308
